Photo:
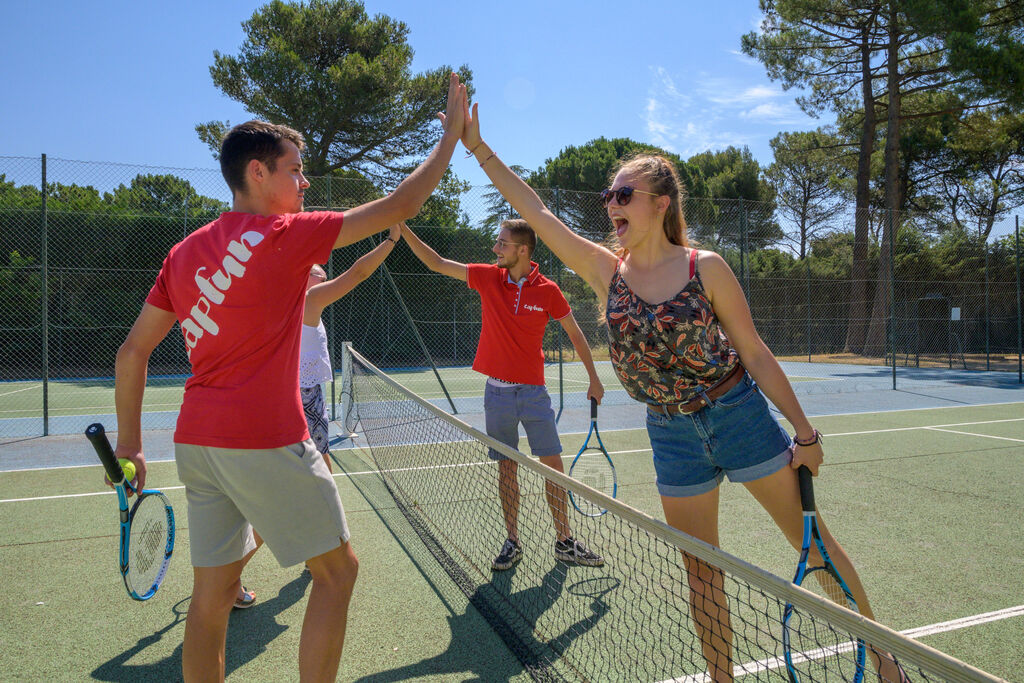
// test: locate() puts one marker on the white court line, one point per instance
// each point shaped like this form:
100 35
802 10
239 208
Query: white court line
915 633
986 436
642 450
8 393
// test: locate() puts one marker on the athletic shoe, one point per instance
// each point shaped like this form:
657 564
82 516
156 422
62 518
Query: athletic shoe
246 599
509 555
571 550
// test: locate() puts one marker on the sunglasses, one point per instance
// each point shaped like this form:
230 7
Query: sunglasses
502 243
621 195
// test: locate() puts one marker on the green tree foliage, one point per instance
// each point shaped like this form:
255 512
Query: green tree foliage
807 175
163 195
739 211
342 79
580 172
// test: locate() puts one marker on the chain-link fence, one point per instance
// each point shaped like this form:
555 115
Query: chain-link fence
77 261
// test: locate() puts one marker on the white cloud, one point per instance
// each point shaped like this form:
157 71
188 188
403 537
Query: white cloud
682 123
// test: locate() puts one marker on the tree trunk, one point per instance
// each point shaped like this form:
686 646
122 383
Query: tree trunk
875 342
857 312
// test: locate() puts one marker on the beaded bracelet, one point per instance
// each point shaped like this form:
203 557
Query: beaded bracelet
487 159
471 152
817 438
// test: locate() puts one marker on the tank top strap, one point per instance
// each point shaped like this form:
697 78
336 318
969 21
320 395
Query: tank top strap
693 262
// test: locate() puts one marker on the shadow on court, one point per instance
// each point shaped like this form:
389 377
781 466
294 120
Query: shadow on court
525 607
249 633
512 614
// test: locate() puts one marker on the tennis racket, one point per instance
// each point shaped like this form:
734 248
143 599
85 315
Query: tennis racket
804 656
147 530
593 467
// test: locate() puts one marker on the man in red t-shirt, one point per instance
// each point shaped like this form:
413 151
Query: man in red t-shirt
516 304
236 287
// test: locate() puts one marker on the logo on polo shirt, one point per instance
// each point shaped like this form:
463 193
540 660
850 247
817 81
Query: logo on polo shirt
214 288
531 307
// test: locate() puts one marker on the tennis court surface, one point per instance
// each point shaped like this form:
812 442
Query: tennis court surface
926 501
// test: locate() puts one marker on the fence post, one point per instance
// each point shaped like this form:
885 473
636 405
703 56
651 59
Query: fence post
744 256
892 294
807 260
330 321
45 312
561 341
984 246
1020 365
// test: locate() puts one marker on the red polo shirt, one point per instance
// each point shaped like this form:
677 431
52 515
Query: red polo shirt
237 287
514 318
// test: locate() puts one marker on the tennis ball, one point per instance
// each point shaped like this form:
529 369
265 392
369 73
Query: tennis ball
128 467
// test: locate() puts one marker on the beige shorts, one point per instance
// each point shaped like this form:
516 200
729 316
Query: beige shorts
286 494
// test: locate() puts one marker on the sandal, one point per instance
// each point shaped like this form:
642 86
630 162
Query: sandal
246 599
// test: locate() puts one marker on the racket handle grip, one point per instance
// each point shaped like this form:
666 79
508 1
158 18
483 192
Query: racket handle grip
593 408
806 488
98 438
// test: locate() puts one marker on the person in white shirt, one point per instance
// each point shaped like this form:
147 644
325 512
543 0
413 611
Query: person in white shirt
314 360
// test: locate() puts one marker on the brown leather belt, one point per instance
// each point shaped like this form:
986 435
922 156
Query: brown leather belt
716 391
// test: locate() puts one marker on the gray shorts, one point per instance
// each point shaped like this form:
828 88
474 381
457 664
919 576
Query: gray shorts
286 494
506 407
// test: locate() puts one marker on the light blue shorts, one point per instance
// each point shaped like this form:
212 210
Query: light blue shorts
506 407
736 435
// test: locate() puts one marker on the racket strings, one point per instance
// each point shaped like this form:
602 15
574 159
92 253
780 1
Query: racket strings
148 543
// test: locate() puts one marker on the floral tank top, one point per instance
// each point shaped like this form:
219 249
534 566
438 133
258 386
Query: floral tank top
665 353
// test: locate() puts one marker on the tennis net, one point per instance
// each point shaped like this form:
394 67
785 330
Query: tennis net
663 607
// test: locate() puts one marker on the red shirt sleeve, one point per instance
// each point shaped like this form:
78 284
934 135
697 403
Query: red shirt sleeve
158 296
557 305
476 274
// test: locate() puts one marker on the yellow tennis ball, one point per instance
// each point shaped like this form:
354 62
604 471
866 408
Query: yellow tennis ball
128 467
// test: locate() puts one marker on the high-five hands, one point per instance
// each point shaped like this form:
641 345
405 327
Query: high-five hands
454 117
471 133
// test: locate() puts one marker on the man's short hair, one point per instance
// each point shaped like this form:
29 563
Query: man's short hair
521 232
253 140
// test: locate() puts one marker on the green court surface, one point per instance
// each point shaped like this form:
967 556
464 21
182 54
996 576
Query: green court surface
927 503
96 397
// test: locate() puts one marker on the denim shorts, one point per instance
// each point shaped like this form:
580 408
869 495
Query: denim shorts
735 435
506 407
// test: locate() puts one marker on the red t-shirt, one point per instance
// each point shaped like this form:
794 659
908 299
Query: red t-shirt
238 287
511 343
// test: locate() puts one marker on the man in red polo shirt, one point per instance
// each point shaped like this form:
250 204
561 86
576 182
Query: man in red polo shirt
236 287
517 302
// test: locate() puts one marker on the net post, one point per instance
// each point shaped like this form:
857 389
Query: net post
347 421
45 311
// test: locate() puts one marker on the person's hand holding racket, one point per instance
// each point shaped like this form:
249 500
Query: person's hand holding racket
595 392
135 456
146 530
808 453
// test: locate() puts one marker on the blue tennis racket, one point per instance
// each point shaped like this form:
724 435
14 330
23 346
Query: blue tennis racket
800 655
593 467
147 530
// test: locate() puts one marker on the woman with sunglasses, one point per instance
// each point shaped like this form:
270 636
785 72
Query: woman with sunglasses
682 341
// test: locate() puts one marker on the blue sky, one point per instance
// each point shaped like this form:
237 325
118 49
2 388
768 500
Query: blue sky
128 81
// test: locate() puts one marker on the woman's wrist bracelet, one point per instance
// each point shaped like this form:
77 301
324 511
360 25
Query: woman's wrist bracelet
809 442
487 159
471 152
388 238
